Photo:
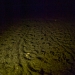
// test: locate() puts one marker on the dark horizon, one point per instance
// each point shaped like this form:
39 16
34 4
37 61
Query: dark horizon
17 9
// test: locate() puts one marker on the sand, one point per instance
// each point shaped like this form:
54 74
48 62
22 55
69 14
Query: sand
33 47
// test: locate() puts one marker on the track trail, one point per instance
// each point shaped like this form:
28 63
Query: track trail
38 48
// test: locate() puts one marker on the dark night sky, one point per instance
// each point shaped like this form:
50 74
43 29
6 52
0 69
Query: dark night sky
49 8
11 9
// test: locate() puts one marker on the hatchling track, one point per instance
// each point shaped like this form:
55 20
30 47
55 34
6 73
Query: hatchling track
38 48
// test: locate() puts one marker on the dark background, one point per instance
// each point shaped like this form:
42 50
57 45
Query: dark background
12 10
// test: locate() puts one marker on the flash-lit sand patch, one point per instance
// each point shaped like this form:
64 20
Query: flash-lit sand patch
38 48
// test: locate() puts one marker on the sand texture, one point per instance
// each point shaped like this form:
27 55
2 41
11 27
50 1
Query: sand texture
38 48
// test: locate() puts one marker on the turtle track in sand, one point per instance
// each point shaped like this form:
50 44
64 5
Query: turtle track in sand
38 48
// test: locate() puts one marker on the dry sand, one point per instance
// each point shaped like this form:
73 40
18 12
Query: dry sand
36 47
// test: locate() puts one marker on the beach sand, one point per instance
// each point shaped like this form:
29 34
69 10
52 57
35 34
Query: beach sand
34 47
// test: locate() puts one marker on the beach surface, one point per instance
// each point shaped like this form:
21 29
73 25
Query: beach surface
38 47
